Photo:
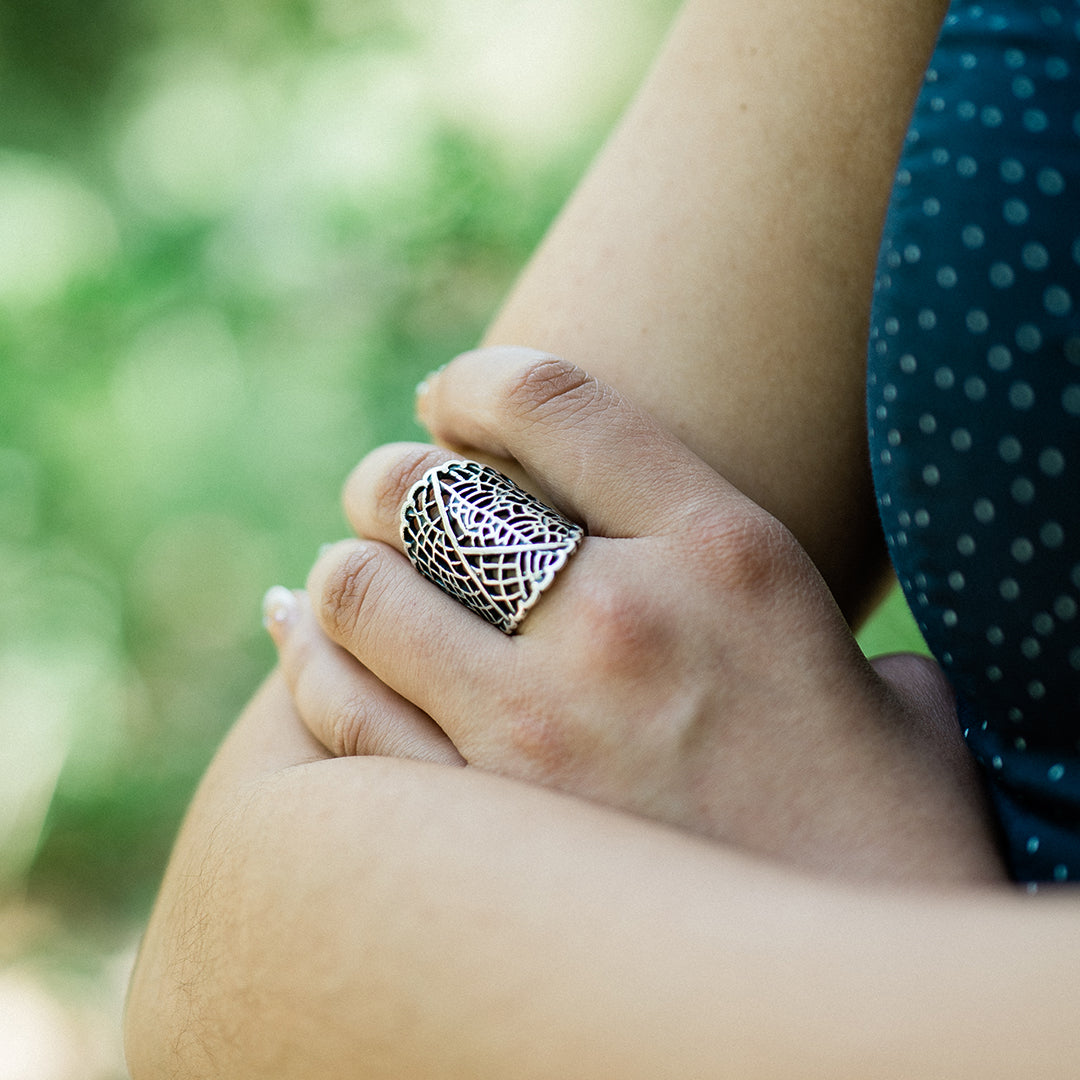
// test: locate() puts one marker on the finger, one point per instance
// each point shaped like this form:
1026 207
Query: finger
343 704
598 457
406 631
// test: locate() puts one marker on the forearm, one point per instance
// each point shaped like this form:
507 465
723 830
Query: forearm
335 919
716 264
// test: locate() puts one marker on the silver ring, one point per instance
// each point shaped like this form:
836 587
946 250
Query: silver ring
482 539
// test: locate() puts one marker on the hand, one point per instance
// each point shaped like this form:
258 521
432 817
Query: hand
688 664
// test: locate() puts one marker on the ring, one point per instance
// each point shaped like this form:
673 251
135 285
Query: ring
489 544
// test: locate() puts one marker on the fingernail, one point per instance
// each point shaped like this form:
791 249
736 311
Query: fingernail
423 387
279 610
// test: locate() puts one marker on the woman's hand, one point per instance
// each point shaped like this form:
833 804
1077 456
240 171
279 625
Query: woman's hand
688 664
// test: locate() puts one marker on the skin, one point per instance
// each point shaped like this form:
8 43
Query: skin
328 916
689 664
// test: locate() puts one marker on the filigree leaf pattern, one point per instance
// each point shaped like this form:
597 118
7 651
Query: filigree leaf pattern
485 541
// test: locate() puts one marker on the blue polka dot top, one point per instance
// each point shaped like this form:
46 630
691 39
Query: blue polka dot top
974 403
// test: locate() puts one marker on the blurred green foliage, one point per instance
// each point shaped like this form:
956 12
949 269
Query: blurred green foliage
233 237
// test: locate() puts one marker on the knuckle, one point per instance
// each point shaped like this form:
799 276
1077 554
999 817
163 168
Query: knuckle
347 590
552 389
394 484
620 632
346 726
749 552
539 745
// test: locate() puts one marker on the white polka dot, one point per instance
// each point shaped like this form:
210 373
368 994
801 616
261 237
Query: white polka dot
1023 87
908 364
956 581
1035 256
893 438
1070 399
927 319
999 358
944 379
950 618
931 207
1036 690
961 440
995 635
1052 462
983 511
922 518
997 762
1002 275
994 673
968 61
1074 659
1014 58
927 424
1029 337
991 116
1057 300
912 253
892 326
1030 649
1022 549
967 166
973 237
1022 490
1009 588
1035 121
1032 845
1051 182
1021 395
1010 449
1065 608
946 277
1052 535
965 544
931 475
974 388
1061 873
1043 624
1055 773
1015 211
1057 68
966 110
978 322
1012 172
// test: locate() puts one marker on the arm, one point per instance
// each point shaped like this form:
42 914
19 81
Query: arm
716 264
375 918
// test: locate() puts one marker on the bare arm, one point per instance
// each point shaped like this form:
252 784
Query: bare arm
373 917
716 264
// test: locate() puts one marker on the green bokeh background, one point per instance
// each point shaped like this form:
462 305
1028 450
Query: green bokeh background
233 237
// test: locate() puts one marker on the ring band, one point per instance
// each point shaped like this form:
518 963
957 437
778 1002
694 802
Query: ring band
489 544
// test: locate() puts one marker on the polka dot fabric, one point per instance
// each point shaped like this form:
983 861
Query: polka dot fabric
974 403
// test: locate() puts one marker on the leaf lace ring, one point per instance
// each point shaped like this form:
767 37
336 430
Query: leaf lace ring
489 544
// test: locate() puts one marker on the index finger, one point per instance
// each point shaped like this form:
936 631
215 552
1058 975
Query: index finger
598 458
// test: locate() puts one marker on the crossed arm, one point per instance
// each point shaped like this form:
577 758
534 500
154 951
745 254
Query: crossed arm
370 916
